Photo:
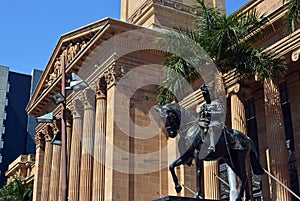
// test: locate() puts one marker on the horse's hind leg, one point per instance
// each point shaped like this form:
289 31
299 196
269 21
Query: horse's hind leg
199 164
177 162
243 176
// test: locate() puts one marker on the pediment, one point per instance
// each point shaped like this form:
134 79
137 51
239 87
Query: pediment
74 47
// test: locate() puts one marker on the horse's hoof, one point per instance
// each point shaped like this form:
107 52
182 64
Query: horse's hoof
196 195
178 188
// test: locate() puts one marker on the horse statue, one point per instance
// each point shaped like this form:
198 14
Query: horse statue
232 146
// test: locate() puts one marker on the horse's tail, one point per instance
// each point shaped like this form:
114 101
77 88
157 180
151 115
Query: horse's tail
256 166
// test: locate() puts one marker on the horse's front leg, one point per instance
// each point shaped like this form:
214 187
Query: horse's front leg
177 162
199 164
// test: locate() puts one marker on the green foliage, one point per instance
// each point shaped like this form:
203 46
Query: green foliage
292 15
16 191
223 39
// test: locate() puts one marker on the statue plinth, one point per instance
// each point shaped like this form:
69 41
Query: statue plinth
176 198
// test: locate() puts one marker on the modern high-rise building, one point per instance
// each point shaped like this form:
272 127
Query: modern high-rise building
15 89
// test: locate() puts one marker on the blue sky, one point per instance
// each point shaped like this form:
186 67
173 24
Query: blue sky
29 30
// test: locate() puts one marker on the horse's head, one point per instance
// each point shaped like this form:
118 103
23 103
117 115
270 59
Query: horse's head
171 117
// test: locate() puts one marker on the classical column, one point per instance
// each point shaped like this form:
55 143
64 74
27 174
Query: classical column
116 183
238 122
278 157
75 155
47 162
55 167
86 168
39 164
211 182
99 145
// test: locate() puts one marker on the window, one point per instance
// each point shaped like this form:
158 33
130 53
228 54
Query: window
289 133
253 134
7 87
0 158
4 115
1 144
3 129
6 101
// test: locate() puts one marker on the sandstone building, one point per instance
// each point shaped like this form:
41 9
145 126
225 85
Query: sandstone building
108 152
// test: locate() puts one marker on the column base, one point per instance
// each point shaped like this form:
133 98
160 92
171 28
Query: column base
176 198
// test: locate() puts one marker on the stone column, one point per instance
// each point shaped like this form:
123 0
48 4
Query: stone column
116 183
47 162
258 97
238 122
75 155
55 167
99 145
86 168
39 165
211 182
278 157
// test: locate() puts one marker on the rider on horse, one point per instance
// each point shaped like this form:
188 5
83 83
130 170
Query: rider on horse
212 112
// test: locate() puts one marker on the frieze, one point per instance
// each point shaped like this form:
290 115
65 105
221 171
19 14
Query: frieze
69 53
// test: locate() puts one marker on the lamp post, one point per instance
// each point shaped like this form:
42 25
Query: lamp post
63 133
76 84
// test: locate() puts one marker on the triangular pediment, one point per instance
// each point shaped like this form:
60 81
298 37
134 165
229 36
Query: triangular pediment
74 47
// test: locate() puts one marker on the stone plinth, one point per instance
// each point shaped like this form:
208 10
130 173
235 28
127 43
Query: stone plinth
175 198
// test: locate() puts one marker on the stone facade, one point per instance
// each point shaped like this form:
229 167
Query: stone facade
108 157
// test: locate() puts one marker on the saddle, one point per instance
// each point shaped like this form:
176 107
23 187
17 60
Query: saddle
233 139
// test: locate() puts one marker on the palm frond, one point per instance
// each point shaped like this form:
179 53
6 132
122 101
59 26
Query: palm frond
292 15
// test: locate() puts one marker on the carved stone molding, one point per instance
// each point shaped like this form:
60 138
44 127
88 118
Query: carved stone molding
48 133
295 55
113 74
69 53
76 108
40 140
88 98
56 126
100 88
233 89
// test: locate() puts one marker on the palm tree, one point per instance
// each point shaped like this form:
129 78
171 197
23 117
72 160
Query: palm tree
224 39
16 191
292 15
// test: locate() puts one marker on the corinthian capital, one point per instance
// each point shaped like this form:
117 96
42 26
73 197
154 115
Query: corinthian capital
113 74
48 133
76 108
40 140
88 98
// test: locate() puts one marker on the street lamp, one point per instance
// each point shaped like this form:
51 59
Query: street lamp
76 84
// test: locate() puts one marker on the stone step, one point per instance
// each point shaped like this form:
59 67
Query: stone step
176 198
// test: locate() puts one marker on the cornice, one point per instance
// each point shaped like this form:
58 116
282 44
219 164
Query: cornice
40 102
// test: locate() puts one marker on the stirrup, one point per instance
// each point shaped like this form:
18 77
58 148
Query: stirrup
211 148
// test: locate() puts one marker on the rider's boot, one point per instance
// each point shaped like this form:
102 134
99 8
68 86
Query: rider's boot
211 147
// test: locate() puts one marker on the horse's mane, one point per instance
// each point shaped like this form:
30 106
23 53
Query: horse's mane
184 116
